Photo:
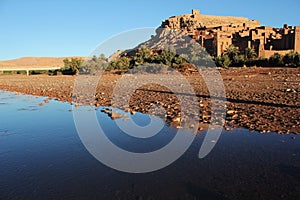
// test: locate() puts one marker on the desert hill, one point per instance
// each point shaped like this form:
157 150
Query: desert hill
34 62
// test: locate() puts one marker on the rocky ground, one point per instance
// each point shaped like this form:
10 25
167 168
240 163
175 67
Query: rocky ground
262 99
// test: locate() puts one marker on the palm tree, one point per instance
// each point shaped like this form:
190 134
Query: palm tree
250 53
232 51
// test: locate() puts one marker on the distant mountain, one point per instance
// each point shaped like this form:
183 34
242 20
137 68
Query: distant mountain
34 62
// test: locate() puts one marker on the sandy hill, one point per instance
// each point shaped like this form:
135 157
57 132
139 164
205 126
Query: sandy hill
34 62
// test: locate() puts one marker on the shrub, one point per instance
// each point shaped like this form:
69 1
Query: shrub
223 61
292 59
276 60
238 61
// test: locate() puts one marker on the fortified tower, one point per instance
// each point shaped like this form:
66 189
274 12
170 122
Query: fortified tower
196 13
297 39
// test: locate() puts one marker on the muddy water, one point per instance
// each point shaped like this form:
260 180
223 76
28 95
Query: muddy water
42 157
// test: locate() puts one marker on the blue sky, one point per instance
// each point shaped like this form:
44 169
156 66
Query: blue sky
67 28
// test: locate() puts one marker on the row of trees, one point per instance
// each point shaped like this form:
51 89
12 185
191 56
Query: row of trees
232 57
195 54
291 59
145 55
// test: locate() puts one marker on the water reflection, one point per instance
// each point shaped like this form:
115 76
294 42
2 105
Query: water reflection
42 157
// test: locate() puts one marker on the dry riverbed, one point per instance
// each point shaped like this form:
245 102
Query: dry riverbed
262 99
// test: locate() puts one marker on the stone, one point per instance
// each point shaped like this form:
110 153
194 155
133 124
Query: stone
177 119
230 112
115 115
227 129
132 112
126 119
235 116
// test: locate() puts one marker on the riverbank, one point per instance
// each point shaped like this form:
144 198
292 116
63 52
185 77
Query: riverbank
262 99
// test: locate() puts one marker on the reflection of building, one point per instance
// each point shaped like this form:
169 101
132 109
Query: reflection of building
216 34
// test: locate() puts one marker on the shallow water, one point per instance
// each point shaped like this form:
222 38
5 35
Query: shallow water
42 157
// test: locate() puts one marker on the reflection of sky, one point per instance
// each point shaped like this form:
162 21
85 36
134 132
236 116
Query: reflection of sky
24 112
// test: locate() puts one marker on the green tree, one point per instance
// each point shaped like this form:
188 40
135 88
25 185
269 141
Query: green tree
226 61
94 65
144 52
102 57
178 62
120 63
168 56
197 55
142 55
238 61
297 59
223 61
276 60
73 64
291 59
250 53
231 52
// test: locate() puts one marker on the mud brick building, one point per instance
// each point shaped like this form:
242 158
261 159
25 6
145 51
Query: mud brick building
217 33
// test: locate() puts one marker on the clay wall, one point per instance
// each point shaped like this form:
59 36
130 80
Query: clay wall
269 53
297 39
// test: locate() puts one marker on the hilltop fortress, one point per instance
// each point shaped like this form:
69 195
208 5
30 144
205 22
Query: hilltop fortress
217 33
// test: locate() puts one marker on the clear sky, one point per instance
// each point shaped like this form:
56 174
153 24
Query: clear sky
60 28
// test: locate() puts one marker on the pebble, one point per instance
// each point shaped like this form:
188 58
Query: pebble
230 112
126 119
115 115
275 119
235 116
132 112
227 129
177 119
